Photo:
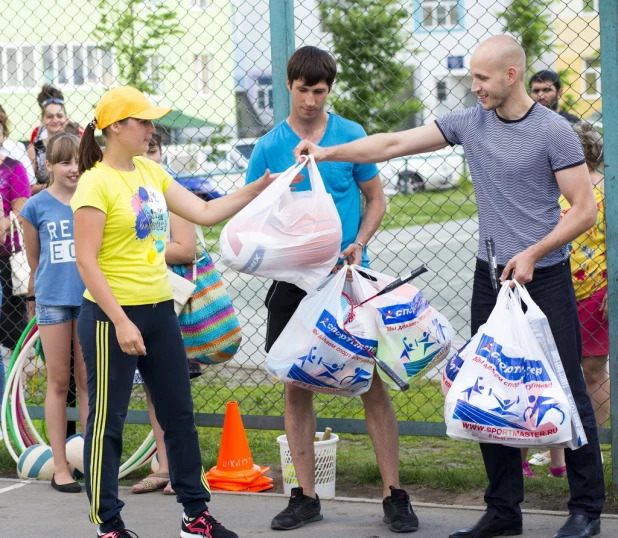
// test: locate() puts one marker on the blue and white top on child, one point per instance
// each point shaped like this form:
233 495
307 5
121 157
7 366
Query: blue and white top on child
57 281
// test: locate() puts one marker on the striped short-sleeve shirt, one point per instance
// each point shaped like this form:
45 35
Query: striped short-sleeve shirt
513 165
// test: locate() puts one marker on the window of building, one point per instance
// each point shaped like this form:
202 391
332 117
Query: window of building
265 92
77 65
18 67
442 90
199 4
439 14
592 77
156 75
202 74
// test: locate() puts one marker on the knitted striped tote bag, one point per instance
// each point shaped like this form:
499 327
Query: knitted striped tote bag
208 321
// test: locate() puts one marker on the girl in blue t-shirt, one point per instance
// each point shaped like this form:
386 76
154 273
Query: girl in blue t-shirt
55 295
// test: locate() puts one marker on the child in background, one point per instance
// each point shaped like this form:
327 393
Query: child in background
55 294
179 250
4 225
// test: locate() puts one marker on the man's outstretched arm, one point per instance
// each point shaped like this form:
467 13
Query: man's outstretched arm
378 147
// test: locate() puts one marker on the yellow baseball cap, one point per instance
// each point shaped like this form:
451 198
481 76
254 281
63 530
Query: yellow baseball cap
125 102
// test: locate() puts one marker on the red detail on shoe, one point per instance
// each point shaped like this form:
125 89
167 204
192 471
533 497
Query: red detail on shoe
201 524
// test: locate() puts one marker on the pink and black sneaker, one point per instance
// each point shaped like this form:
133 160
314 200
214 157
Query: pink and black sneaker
204 526
118 532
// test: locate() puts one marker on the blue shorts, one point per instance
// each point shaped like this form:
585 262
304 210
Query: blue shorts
52 315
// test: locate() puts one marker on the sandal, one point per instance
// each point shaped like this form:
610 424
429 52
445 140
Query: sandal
526 469
150 483
168 489
557 472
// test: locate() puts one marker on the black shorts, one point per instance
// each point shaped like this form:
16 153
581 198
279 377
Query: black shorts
282 300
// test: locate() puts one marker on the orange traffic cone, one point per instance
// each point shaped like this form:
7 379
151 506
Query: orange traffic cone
235 470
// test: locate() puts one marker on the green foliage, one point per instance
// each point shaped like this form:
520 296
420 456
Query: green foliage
567 103
133 31
375 86
215 140
530 21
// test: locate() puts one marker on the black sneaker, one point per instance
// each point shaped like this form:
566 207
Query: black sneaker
301 509
204 526
119 531
398 513
123 533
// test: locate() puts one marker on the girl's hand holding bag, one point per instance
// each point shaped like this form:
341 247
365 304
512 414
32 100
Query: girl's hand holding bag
207 320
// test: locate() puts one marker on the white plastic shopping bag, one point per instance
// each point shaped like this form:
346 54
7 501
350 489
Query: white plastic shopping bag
540 326
314 351
290 236
506 391
412 335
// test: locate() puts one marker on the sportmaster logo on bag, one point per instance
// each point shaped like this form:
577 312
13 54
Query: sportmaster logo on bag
509 417
428 349
504 389
337 337
512 368
400 313
324 374
314 351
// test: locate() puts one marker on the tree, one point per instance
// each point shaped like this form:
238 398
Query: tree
367 36
531 22
134 32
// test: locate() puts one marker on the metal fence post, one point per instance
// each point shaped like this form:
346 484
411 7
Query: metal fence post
609 75
282 44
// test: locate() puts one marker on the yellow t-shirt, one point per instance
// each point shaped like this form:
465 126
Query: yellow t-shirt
588 253
132 255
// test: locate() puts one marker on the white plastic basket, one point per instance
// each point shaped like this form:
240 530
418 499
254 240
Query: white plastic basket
325 465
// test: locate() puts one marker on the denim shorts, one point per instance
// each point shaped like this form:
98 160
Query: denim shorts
52 315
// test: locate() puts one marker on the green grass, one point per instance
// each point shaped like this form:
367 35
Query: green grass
439 464
426 207
403 210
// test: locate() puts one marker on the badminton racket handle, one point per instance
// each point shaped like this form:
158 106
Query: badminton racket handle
401 281
390 373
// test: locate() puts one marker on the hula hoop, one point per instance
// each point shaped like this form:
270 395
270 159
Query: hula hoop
16 417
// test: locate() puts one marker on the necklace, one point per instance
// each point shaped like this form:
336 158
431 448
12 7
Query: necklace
313 138
146 218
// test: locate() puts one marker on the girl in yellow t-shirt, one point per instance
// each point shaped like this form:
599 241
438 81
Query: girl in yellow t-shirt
589 269
127 317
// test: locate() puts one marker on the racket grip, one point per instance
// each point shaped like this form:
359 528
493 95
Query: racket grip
390 373
400 281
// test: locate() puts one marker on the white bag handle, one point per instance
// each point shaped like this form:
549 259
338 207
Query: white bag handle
15 227
317 184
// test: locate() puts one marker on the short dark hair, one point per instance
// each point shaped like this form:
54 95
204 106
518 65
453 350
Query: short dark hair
547 75
312 65
155 140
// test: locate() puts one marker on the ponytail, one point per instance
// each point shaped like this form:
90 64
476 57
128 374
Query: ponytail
89 151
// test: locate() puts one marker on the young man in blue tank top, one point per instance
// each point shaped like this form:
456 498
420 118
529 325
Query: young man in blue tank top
311 73
521 156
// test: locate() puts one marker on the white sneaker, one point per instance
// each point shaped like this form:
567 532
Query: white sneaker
539 459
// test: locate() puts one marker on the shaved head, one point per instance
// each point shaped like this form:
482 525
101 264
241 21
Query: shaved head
501 52
498 66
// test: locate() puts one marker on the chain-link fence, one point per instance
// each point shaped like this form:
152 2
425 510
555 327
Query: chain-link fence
401 65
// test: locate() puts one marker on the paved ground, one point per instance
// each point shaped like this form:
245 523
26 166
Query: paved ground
33 510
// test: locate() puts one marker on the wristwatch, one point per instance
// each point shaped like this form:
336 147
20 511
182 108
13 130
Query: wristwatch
359 244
